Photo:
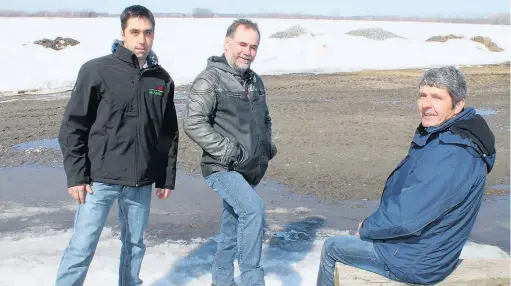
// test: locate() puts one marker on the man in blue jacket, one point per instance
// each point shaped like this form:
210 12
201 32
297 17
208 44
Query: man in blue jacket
431 200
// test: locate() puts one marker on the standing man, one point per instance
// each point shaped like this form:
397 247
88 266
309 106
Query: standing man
431 200
119 135
227 116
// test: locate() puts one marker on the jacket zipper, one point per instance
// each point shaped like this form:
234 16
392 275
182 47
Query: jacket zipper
250 98
134 86
137 142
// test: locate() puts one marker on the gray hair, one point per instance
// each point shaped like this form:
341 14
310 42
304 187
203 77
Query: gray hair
241 22
449 78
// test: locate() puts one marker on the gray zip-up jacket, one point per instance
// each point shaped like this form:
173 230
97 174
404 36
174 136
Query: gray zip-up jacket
227 116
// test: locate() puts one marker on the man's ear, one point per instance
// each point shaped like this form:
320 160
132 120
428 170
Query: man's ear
459 106
226 43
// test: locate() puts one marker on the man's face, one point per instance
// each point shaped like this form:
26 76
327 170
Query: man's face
241 49
435 106
138 36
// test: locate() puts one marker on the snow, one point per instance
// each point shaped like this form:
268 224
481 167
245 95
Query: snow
183 45
169 263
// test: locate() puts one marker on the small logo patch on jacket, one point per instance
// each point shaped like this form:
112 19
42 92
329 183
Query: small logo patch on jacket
158 91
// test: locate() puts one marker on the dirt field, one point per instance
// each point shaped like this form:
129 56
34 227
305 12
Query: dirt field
339 136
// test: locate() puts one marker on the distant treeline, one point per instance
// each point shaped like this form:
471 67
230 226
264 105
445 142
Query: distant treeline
498 19
60 14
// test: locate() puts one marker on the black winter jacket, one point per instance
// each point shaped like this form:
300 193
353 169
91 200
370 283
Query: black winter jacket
227 116
120 124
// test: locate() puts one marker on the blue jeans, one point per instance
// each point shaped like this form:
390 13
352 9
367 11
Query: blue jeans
134 204
353 251
241 231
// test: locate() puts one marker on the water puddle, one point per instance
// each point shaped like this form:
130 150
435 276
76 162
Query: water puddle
486 111
194 210
38 144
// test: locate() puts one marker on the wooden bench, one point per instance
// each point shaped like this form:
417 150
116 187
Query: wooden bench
470 272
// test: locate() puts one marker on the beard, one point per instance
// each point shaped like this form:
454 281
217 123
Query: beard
237 67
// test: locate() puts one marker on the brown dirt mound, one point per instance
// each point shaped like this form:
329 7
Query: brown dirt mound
444 39
488 43
58 44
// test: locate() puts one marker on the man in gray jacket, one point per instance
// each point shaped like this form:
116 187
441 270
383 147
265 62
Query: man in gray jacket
227 116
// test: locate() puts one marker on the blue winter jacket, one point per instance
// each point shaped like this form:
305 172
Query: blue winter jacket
430 201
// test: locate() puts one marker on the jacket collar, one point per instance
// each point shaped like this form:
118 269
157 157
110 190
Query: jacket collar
422 133
221 63
126 55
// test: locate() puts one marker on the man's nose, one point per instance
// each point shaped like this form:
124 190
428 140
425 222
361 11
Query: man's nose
141 38
246 50
426 103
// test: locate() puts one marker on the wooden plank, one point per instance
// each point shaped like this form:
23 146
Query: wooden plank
489 272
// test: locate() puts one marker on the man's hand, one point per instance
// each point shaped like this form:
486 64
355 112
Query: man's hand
162 193
78 192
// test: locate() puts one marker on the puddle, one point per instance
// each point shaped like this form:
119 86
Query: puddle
179 96
486 111
38 144
194 210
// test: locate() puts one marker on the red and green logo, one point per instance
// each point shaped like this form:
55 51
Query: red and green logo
158 91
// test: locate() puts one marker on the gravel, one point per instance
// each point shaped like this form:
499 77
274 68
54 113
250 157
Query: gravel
374 34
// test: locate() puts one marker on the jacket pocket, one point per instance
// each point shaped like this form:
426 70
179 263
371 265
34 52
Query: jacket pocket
233 154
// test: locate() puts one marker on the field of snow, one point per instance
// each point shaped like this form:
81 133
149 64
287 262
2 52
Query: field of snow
183 45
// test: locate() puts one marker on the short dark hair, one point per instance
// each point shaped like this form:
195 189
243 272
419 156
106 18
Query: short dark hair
242 22
135 11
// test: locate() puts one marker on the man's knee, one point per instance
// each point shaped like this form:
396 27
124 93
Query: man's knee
328 246
254 207
246 200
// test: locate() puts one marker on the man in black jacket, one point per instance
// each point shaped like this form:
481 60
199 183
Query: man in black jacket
119 135
227 116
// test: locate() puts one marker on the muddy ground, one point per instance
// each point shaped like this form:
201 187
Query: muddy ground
339 135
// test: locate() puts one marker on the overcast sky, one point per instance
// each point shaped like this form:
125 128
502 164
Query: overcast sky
451 8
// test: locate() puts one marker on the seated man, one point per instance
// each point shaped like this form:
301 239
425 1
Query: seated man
431 200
